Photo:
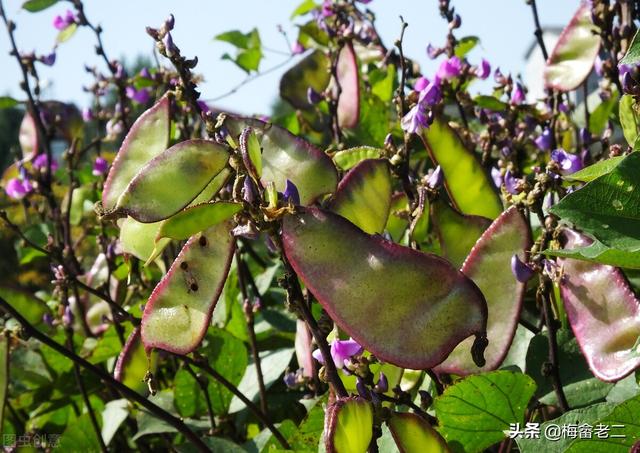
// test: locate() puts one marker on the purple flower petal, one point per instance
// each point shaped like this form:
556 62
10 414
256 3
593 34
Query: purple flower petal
517 97
298 48
421 83
449 68
433 52
313 97
48 60
510 183
568 163
431 94
100 166
543 142
484 70
522 271
415 120
87 114
17 188
436 177
317 354
141 96
41 162
291 193
496 175
342 350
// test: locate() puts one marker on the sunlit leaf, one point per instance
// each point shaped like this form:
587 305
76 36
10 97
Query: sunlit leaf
196 218
597 252
466 45
138 238
66 33
348 425
113 415
6 102
575 52
429 306
628 112
33 6
596 170
349 158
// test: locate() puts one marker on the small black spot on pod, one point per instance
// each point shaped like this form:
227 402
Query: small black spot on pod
194 287
184 266
203 241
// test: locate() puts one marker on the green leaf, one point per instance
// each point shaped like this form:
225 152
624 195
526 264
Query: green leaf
273 364
138 239
170 181
178 313
28 305
33 6
465 179
597 252
466 45
303 8
249 48
189 399
114 414
79 436
575 52
215 444
235 37
413 433
623 422
602 113
489 266
632 57
310 72
147 138
608 207
490 102
4 373
456 232
197 218
349 158
430 304
383 82
364 195
66 33
475 412
596 170
6 102
628 112
584 416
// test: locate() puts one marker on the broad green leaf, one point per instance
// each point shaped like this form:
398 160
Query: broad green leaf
602 113
466 181
197 218
475 412
309 433
456 232
114 414
177 314
383 82
189 399
133 363
66 33
632 57
597 252
489 266
466 45
310 72
285 156
575 52
79 436
138 239
364 195
490 102
6 102
596 170
579 385
622 423
249 48
170 181
4 373
236 38
33 6
628 112
431 305
585 418
303 8
349 425
213 187
608 207
413 434
147 138
273 364
348 110
29 306
228 356
349 158
603 312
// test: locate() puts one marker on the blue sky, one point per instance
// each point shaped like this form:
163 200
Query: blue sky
505 28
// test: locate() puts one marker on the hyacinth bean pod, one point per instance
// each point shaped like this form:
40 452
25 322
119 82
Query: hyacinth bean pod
407 307
348 425
603 312
133 363
489 266
413 434
178 312
349 81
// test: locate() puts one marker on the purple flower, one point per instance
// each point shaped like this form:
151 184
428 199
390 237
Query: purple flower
517 97
415 120
141 96
484 70
114 128
204 108
341 352
87 114
248 191
449 68
568 163
100 166
435 178
597 66
18 188
433 52
144 73
498 76
431 94
585 136
326 10
628 84
48 60
313 97
510 183
170 22
543 142
298 48
291 193
383 384
522 271
496 175
60 23
67 317
42 162
47 319
421 83
170 48
623 69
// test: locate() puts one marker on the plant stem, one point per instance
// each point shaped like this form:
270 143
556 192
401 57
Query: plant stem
538 31
106 378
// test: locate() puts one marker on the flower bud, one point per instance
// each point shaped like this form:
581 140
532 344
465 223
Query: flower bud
522 271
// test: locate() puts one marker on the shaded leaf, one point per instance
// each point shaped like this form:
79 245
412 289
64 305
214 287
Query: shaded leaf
431 305
310 72
133 363
29 306
115 412
490 102
474 412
